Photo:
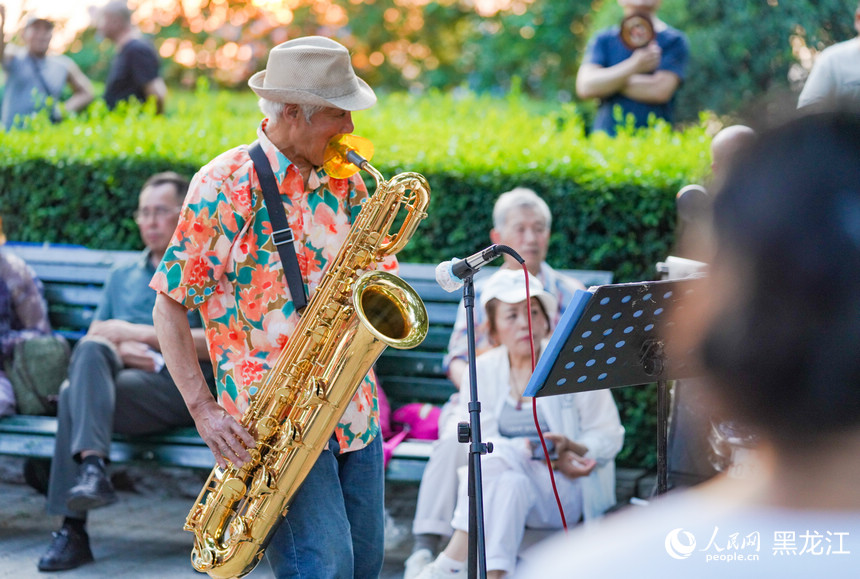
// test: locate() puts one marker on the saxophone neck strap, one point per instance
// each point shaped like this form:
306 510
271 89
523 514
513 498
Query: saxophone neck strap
282 234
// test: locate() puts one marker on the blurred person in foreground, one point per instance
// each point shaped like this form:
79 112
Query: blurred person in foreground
34 77
117 381
692 418
134 71
584 428
834 80
522 221
775 331
223 261
640 81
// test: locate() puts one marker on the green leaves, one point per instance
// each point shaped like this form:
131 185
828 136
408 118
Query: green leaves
612 199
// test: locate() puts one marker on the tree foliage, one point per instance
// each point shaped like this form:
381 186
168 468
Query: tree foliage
396 44
745 54
533 45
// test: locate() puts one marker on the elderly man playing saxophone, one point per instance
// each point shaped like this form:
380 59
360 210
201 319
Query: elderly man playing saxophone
223 261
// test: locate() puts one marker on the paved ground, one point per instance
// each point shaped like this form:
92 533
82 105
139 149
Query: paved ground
142 536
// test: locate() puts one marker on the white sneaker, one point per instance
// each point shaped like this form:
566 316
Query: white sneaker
434 571
416 563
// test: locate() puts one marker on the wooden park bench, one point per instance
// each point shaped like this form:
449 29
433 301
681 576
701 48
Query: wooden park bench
73 278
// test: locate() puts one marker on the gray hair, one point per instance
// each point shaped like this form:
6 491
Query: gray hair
273 110
517 198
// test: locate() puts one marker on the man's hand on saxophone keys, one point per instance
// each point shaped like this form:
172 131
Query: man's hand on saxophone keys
226 438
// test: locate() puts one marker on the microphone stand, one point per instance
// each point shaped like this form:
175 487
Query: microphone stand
471 432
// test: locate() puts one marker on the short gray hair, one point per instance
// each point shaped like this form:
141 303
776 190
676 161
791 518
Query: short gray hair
518 198
273 110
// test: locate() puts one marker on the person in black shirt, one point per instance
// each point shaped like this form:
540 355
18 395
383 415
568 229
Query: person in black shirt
134 71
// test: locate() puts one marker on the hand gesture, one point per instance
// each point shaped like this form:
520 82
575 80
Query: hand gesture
571 461
572 465
226 438
647 58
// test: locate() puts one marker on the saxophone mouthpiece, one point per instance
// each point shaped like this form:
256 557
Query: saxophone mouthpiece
346 154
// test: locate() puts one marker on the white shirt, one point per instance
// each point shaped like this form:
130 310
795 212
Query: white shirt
589 418
835 77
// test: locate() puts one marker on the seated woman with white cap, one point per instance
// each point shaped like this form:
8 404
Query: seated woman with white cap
584 428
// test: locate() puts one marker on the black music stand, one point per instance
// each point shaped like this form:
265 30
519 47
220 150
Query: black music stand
613 336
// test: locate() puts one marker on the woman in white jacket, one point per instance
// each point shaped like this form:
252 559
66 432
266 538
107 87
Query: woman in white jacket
584 428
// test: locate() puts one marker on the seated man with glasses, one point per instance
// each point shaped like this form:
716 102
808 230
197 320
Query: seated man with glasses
117 380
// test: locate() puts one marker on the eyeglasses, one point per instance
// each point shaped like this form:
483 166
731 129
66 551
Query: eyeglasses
157 212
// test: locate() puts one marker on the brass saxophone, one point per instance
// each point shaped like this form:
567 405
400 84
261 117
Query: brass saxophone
353 315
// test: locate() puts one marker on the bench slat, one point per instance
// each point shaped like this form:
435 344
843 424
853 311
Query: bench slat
66 319
61 295
404 389
410 362
441 314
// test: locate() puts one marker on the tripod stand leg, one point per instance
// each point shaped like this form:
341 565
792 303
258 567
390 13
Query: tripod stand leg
662 436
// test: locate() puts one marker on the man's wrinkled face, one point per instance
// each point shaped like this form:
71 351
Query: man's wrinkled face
315 135
526 232
157 215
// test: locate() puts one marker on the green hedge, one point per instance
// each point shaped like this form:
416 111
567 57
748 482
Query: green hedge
612 199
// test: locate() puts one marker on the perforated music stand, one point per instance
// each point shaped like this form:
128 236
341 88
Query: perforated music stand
613 336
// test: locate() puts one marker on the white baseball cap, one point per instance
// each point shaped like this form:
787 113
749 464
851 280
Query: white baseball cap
509 286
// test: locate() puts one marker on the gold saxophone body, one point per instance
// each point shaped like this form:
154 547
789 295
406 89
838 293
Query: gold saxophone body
353 315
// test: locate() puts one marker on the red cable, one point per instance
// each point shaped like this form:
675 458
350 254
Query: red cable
534 403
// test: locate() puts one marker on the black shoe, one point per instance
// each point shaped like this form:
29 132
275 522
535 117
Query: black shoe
93 490
69 549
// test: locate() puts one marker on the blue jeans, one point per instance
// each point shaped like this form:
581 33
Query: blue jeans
341 498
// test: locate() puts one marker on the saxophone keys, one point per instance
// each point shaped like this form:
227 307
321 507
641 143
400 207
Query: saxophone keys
291 436
266 427
314 393
262 482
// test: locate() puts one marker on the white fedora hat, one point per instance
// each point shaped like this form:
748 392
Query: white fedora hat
312 70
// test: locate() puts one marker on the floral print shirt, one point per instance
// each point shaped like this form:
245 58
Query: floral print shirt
222 261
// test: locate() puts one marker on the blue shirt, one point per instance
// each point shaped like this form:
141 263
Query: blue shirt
26 80
606 49
128 297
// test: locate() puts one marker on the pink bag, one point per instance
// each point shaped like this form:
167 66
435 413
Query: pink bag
414 420
420 420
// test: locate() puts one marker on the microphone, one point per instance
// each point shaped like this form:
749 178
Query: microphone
450 274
